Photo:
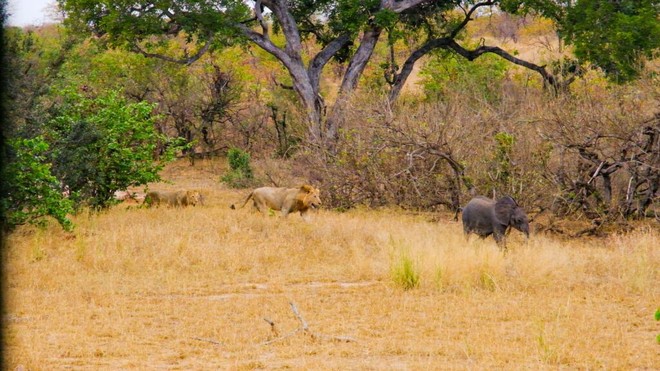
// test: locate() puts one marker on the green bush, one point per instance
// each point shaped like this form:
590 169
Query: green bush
446 71
106 144
32 193
240 173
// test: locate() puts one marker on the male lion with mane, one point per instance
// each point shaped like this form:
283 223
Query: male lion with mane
286 200
176 199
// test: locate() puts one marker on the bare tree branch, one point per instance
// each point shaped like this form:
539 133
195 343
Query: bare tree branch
265 43
468 17
289 27
184 61
449 43
258 11
474 54
351 78
321 59
400 6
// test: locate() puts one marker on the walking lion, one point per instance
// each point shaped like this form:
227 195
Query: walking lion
285 200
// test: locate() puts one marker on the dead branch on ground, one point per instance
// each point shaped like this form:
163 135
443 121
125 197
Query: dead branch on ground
208 341
304 328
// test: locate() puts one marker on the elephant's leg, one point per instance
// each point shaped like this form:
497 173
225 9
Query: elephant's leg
500 238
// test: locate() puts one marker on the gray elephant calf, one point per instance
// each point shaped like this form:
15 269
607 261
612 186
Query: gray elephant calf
484 217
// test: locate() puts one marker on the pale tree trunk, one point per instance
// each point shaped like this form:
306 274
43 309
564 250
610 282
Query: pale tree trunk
306 81
351 79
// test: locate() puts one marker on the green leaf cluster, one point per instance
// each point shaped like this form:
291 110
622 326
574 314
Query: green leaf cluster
614 35
240 174
33 193
128 22
657 318
405 273
446 71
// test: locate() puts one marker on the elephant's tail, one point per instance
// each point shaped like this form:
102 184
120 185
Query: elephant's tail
458 211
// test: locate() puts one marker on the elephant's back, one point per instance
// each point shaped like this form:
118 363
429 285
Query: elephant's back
478 205
476 215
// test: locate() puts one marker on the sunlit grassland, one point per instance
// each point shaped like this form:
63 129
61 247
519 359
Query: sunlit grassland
136 288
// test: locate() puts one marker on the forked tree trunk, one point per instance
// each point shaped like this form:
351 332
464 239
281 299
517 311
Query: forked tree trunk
351 79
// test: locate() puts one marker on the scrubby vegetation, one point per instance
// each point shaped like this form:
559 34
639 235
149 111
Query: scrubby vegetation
150 287
399 118
458 127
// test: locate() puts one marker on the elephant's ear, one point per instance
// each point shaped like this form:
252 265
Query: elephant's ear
504 208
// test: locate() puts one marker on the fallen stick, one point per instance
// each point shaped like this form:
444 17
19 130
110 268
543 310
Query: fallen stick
303 323
304 327
208 341
281 337
272 327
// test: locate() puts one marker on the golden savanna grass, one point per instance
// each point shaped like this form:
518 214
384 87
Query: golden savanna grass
189 288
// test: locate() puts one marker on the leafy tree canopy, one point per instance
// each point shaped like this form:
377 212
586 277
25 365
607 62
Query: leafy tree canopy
614 35
133 24
348 30
611 34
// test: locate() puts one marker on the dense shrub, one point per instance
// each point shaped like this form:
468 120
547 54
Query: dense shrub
240 172
590 153
33 193
106 144
445 71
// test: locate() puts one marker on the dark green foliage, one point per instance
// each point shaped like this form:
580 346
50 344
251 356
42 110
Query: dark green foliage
445 72
240 173
549 9
239 161
33 193
614 35
129 24
35 62
106 144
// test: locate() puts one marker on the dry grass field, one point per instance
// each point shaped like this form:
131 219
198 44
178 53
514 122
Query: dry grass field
191 289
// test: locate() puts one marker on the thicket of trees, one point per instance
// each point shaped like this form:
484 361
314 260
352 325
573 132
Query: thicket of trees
349 31
320 81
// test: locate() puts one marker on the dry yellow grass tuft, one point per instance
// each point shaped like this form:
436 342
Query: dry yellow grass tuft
189 288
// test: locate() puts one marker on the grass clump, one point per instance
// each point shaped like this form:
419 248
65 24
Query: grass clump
405 273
